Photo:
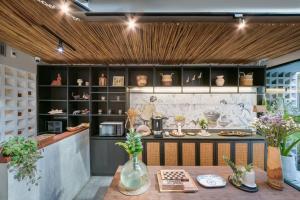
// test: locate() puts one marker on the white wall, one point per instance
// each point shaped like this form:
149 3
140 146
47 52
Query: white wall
21 61
284 59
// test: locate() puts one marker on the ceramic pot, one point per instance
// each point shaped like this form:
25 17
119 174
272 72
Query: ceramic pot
166 79
274 168
289 168
141 80
220 81
248 179
134 177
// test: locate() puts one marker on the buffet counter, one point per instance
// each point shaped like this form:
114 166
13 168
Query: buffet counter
227 193
180 151
64 169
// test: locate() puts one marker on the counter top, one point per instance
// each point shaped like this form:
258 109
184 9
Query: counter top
214 136
227 193
44 141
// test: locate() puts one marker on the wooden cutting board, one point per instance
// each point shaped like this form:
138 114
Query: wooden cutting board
176 186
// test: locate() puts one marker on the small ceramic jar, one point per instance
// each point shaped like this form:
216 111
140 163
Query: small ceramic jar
220 81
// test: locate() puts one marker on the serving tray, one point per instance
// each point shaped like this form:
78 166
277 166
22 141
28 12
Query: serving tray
211 181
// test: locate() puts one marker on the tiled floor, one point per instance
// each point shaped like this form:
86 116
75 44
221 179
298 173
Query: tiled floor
95 188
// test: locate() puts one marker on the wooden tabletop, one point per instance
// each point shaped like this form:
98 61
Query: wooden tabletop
227 193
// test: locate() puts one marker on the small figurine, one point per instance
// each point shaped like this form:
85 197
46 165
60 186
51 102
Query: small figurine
85 96
57 82
102 80
79 81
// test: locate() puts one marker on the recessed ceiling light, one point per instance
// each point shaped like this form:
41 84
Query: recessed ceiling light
131 23
60 46
64 7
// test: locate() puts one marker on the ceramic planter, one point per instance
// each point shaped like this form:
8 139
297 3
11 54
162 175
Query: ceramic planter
167 79
220 81
274 168
248 179
289 167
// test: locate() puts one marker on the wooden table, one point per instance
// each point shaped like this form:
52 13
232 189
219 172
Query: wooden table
227 193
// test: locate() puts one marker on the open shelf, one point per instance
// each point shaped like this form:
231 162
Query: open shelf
201 79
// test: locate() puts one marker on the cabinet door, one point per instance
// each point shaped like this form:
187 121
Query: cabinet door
171 153
206 154
106 157
153 153
241 154
258 155
188 154
223 150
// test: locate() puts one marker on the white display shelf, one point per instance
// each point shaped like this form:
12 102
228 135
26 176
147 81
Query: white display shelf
17 97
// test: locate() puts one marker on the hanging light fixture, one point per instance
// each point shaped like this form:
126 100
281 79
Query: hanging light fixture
60 46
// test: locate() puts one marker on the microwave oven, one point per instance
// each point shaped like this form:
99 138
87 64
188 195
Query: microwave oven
111 129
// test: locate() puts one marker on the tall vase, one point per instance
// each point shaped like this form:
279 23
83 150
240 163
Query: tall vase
134 177
274 168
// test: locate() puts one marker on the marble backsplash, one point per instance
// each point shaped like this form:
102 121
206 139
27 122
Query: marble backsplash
223 111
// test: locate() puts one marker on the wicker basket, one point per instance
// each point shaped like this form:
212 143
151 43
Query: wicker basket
246 79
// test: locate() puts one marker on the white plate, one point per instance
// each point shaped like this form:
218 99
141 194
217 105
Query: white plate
211 181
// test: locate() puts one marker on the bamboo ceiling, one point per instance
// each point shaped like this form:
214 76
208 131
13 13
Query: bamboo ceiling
157 42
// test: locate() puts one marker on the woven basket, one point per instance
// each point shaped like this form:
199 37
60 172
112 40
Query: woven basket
246 79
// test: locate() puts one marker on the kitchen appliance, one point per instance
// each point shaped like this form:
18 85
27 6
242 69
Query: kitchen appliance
157 127
111 129
55 126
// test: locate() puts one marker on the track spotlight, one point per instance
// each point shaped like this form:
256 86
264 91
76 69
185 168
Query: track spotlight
241 21
60 46
64 7
131 23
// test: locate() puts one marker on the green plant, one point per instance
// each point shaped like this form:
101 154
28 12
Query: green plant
133 144
203 123
24 155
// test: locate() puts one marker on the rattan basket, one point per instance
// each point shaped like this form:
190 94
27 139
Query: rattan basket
246 79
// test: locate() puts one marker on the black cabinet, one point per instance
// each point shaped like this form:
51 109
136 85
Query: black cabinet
106 156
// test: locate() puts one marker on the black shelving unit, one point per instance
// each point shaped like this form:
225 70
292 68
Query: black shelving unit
117 97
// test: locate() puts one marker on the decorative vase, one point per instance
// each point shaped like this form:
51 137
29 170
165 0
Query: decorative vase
134 177
141 80
220 80
167 79
274 169
102 80
289 168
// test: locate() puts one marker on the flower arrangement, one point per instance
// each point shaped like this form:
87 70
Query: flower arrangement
277 129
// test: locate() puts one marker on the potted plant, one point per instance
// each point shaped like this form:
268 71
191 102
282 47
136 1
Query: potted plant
24 154
134 177
203 123
276 129
241 174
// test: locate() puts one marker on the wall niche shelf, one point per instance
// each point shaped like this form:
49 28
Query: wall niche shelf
17 103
